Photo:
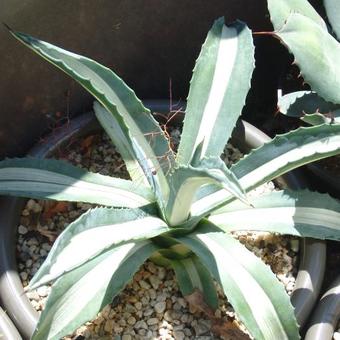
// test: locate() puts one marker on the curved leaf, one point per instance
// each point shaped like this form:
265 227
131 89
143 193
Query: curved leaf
281 9
319 118
319 63
79 295
302 104
91 234
303 213
282 154
58 180
333 14
287 152
186 180
219 86
192 276
137 124
115 131
257 296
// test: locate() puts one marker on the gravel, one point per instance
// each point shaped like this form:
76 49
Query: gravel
151 306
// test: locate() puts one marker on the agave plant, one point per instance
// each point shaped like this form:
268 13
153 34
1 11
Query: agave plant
298 25
183 211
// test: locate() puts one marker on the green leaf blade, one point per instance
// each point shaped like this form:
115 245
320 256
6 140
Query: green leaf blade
303 103
78 296
284 153
256 295
302 213
191 276
287 152
280 10
52 179
115 130
108 227
215 99
333 15
319 62
185 181
110 90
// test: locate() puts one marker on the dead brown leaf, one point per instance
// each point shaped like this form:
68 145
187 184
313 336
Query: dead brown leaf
228 330
53 208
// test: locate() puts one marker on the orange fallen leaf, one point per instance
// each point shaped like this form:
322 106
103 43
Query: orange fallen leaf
56 207
87 142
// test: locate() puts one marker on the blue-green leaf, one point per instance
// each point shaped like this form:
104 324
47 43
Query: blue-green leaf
78 296
192 276
219 86
284 153
316 54
115 131
91 234
185 181
287 152
257 296
281 9
333 14
52 179
140 129
309 107
302 213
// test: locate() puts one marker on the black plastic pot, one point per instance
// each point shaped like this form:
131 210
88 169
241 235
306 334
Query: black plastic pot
323 180
326 315
12 296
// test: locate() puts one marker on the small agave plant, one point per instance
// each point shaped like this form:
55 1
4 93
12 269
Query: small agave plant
189 202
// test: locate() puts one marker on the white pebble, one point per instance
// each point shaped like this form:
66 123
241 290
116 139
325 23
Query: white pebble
148 312
160 307
33 295
152 294
178 335
43 252
131 320
108 327
30 204
29 263
138 305
22 230
152 321
168 316
42 291
46 246
141 324
126 337
23 276
155 281
144 284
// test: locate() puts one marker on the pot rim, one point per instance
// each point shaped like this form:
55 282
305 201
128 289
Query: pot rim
7 328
